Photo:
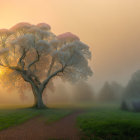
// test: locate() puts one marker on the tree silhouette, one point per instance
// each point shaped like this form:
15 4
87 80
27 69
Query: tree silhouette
33 54
106 93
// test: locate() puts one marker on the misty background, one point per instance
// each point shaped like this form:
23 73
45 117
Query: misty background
110 27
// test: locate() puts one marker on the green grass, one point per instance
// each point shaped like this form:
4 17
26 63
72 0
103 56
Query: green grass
110 123
52 115
14 117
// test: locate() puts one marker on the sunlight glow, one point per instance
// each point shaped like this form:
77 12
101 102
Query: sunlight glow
1 71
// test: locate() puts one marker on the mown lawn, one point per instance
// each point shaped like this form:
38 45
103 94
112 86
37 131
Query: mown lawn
109 123
14 117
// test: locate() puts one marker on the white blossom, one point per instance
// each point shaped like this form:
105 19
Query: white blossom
44 26
24 41
39 32
38 55
21 26
67 37
3 51
55 44
43 46
5 32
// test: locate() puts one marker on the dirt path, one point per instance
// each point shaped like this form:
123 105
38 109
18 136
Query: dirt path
36 129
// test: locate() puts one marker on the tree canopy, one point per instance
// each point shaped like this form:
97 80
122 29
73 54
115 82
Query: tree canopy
32 54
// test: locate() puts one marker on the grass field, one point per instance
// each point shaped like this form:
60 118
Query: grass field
98 122
17 116
110 123
52 115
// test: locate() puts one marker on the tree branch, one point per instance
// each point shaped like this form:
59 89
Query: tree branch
20 62
36 79
46 81
35 61
51 66
11 67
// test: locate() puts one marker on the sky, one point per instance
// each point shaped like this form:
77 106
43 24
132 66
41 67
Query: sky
110 27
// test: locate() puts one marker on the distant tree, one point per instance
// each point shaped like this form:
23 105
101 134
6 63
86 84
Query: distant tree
118 90
132 90
83 92
106 93
136 106
124 105
33 55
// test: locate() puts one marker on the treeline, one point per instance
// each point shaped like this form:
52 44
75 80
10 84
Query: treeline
110 92
129 96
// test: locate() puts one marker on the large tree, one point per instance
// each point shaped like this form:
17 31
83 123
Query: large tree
33 54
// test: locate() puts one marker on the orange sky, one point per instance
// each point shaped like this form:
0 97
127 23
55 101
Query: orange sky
110 27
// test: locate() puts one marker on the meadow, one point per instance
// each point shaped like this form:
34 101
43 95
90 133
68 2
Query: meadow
97 122
108 122
12 117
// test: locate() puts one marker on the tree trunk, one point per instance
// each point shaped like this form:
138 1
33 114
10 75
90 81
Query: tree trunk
38 101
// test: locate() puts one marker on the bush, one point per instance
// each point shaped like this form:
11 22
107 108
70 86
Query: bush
136 106
124 105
